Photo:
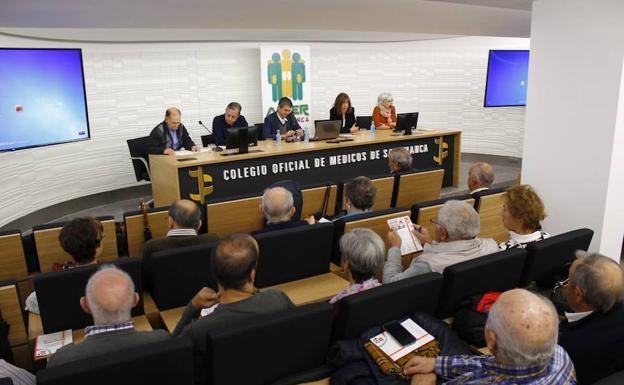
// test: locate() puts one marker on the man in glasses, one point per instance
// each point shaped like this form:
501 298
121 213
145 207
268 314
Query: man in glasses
455 241
593 335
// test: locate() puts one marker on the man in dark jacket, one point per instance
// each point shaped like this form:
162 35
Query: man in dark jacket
593 335
231 118
283 121
170 135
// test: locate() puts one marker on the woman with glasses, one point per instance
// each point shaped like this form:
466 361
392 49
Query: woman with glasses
522 214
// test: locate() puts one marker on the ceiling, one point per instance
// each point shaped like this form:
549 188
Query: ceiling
333 20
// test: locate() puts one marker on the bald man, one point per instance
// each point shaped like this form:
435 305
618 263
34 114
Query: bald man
593 334
521 332
183 224
170 135
109 298
279 210
480 177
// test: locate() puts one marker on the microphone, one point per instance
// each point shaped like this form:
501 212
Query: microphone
215 148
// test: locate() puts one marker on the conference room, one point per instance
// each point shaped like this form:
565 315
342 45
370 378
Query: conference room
345 200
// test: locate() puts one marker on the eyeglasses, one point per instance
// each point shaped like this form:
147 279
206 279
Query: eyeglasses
561 284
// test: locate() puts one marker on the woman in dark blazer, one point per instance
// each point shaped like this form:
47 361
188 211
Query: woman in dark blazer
343 111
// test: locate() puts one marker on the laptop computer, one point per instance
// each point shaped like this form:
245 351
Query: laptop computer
326 129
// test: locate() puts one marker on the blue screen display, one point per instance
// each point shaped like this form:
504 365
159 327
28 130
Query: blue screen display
507 78
42 97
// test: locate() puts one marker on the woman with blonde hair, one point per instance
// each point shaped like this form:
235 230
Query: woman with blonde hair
522 213
384 114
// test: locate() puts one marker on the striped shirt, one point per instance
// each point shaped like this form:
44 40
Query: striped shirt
478 370
19 376
98 329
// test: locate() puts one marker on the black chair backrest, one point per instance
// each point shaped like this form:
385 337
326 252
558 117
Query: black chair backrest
614 379
260 129
364 122
278 345
138 149
548 260
495 272
292 254
358 312
159 363
178 274
59 292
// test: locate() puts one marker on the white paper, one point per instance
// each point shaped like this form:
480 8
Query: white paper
48 344
403 226
395 350
324 220
183 152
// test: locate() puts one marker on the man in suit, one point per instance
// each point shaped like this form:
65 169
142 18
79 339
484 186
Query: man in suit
234 267
184 221
279 210
593 335
231 118
283 121
400 160
170 135
109 298
480 177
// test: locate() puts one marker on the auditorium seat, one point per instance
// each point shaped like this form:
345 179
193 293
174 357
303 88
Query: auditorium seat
160 363
235 216
12 314
495 272
288 347
548 260
59 292
157 219
49 250
140 159
178 274
614 379
385 192
422 213
319 199
489 204
12 257
415 187
292 254
358 312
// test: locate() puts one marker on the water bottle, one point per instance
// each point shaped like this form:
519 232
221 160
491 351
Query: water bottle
306 137
278 138
372 129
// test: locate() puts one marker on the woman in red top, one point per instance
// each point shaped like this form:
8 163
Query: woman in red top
384 114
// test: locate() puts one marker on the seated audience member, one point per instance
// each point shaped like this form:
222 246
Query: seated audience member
521 333
82 239
343 111
455 241
17 375
359 194
183 222
384 114
593 335
231 118
362 258
283 121
234 267
400 160
279 210
170 135
295 189
480 177
109 298
522 213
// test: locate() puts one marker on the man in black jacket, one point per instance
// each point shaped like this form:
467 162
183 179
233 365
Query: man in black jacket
593 335
170 135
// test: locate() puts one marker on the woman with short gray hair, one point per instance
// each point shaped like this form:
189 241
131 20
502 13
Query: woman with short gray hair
384 114
363 255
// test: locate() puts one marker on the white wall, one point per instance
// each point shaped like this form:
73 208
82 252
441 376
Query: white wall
572 134
130 85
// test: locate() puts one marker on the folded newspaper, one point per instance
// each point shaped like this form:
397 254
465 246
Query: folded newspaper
403 226
47 344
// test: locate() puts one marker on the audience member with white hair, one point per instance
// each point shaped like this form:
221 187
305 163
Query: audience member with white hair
593 335
109 298
362 258
384 113
521 333
400 160
278 208
480 177
455 241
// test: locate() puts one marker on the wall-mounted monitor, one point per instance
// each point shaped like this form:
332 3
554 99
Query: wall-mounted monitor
42 97
507 78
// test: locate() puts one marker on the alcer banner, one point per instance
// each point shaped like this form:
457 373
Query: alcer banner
285 71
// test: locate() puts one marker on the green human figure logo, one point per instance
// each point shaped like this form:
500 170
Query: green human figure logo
298 74
274 74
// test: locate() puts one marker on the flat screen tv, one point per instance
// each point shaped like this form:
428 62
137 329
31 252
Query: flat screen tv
507 78
42 98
